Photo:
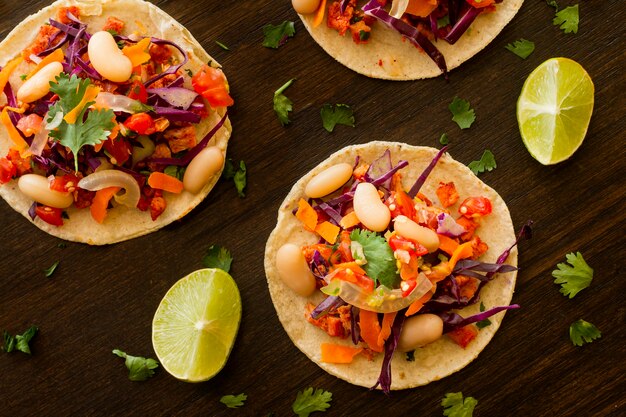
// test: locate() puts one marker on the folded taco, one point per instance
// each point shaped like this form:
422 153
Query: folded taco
384 257
404 39
114 120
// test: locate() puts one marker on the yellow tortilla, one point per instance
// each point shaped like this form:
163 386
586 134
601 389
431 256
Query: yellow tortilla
400 59
122 223
438 359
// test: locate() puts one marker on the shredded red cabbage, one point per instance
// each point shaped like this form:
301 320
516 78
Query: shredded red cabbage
422 178
462 25
331 303
355 328
177 115
453 321
31 211
471 268
318 265
12 102
175 96
334 216
343 5
379 167
174 68
384 380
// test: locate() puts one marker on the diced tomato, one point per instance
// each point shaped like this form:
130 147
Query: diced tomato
7 170
157 205
447 194
475 207
463 335
22 165
119 149
344 247
337 20
137 91
64 183
361 280
409 271
50 215
113 24
408 287
414 248
400 203
210 83
481 3
29 125
141 123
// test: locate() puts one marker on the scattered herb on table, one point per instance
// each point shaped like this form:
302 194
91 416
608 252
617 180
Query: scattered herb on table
567 19
462 113
444 139
238 175
574 277
218 257
139 369
62 245
552 3
19 342
487 162
309 401
282 105
233 401
581 332
455 406
221 45
483 323
522 48
340 114
276 36
49 271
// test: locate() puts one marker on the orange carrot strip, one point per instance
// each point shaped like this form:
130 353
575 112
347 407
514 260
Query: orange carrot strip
385 331
447 244
137 52
328 231
332 353
349 220
370 329
463 335
353 266
461 252
16 138
90 94
319 14
421 8
307 215
56 56
100 202
165 182
6 72
419 303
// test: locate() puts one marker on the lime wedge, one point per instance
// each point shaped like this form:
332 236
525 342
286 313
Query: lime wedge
194 328
554 109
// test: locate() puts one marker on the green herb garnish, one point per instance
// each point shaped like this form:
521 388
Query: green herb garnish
309 401
522 48
340 114
462 114
139 369
282 105
276 36
233 401
574 277
218 257
487 162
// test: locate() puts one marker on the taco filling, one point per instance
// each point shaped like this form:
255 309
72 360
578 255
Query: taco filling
100 117
393 264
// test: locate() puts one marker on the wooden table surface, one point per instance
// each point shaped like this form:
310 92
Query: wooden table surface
101 298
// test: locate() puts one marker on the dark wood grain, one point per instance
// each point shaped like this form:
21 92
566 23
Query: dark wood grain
103 298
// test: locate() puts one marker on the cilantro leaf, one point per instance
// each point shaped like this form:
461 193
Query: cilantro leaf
282 105
229 170
22 340
462 114
139 369
341 114
381 265
175 171
581 332
233 401
443 22
240 179
218 257
574 278
276 36
487 163
552 3
49 271
567 19
9 342
444 139
70 91
221 45
455 406
522 48
309 401
483 323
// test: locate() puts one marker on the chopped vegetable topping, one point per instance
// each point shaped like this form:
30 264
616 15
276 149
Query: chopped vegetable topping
332 353
574 278
522 48
309 401
20 341
139 369
581 332
487 162
218 257
49 271
340 114
455 406
282 105
233 401
483 323
567 19
276 36
462 114
381 265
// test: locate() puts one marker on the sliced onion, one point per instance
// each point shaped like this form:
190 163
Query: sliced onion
382 300
175 96
114 178
446 225
118 102
398 7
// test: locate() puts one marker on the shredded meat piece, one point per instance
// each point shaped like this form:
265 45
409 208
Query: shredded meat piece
114 24
41 42
181 138
470 226
160 54
161 151
62 14
157 205
83 198
163 81
479 247
338 21
447 194
336 323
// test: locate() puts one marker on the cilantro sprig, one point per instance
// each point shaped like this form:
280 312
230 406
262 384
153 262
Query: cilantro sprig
238 175
218 257
276 36
522 48
462 113
282 104
567 19
487 162
139 368
340 114
581 332
19 342
233 401
308 401
455 406
381 265
574 277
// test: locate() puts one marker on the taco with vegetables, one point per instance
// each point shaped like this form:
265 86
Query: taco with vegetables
404 39
114 120
389 265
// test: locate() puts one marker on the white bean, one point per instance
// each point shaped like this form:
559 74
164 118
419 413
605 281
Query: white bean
419 331
294 271
202 168
305 6
107 58
369 209
407 228
328 180
38 85
37 187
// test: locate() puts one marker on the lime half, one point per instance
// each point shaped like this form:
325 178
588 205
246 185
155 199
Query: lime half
194 328
554 109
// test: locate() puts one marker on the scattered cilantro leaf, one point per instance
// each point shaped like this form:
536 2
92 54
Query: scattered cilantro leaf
410 356
309 401
177 172
276 36
574 278
443 22
552 3
455 406
240 179
229 170
381 265
483 323
444 139
341 114
282 105
567 19
522 48
22 340
139 369
189 72
233 401
23 77
581 332
49 271
218 257
62 245
9 342
221 45
462 114
487 163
